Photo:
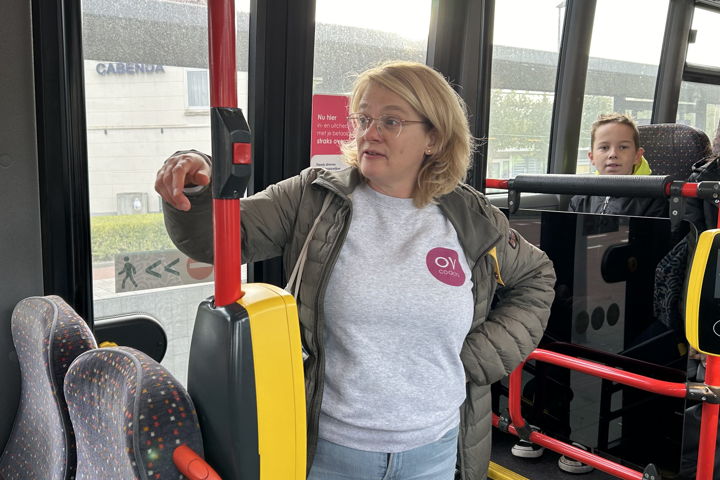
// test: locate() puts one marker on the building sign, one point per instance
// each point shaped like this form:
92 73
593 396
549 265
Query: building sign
118 68
329 130
165 268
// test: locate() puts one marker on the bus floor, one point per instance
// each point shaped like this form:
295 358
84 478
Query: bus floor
543 468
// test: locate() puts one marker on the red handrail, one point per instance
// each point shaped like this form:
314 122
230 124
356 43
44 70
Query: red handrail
687 189
494 183
223 93
710 411
662 387
584 456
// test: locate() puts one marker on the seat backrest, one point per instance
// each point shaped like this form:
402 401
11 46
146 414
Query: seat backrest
129 414
672 148
48 335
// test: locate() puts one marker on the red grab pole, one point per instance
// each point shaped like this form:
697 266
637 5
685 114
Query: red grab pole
223 76
223 93
708 424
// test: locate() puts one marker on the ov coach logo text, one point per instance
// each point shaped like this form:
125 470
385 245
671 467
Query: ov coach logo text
444 265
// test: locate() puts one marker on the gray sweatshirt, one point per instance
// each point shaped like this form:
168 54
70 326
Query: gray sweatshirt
398 306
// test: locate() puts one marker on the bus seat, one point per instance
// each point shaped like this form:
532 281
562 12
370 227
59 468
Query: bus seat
130 415
672 148
48 335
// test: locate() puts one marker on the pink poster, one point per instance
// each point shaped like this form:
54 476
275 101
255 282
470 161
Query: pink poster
329 130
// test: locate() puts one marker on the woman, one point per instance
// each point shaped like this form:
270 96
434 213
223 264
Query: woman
396 292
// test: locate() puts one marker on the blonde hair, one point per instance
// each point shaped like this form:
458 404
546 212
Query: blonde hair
614 118
427 91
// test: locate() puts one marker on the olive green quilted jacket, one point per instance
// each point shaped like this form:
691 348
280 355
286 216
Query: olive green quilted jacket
276 222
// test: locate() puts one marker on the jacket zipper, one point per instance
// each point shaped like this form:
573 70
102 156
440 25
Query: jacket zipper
604 206
320 369
494 242
460 447
461 444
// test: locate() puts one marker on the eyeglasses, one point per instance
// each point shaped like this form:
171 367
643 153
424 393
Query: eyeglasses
359 124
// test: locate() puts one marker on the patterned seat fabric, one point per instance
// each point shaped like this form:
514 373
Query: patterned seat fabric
129 414
48 335
672 148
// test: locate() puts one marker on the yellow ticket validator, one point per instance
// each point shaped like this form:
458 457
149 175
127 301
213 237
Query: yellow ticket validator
702 308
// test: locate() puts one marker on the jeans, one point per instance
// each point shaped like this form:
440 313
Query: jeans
434 461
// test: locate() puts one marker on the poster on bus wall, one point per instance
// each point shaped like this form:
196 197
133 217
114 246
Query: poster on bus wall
329 130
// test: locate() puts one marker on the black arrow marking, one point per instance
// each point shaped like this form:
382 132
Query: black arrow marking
153 272
170 270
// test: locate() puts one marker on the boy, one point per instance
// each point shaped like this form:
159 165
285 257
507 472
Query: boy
615 150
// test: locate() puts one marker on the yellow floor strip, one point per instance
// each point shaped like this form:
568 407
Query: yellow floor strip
497 472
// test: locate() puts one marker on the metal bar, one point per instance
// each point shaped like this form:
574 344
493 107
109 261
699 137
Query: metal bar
566 449
584 456
570 85
708 424
571 184
221 29
701 74
617 185
465 28
226 244
494 183
670 389
280 77
519 426
687 190
62 153
223 93
672 60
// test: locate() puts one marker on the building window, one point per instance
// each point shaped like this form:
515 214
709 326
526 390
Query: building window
198 89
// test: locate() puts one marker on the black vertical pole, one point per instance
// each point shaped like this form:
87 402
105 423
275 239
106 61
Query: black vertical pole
62 152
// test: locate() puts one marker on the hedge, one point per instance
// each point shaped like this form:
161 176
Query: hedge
115 234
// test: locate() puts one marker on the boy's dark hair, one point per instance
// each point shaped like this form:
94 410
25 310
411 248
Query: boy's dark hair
620 118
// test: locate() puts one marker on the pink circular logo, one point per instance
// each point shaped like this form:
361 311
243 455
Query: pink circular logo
444 265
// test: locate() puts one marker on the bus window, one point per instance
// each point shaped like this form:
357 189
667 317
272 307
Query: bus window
349 40
622 70
699 103
703 51
699 106
523 85
146 91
